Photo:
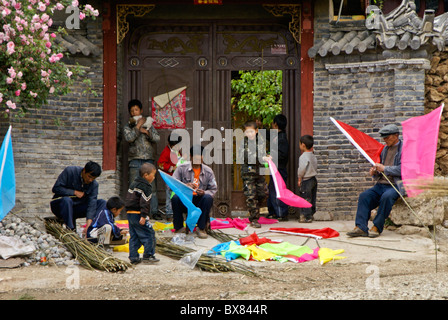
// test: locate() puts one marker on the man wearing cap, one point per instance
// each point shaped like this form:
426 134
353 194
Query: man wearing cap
382 194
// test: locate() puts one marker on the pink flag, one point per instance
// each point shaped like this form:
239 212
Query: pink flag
283 194
368 146
420 135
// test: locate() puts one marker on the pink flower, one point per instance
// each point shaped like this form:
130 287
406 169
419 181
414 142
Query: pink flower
52 35
9 80
33 94
10 104
59 6
1 97
23 87
17 93
42 7
10 48
6 12
51 90
48 44
19 74
75 3
82 16
12 72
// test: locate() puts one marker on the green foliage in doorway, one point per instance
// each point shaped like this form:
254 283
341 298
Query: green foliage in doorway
258 94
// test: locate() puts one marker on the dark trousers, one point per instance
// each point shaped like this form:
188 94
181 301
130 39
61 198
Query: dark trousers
69 209
204 203
140 235
277 207
308 191
380 195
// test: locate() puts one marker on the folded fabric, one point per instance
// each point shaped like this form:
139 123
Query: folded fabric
235 251
238 223
259 254
254 239
160 226
326 255
286 248
224 246
324 232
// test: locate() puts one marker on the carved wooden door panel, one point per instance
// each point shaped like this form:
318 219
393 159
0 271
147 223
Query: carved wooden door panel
159 58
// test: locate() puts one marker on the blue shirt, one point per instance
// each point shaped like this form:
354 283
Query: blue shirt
70 180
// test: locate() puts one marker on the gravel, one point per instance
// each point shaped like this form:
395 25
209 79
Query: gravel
47 248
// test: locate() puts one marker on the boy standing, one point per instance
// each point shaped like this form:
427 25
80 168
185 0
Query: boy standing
137 205
103 229
307 181
252 150
280 154
142 147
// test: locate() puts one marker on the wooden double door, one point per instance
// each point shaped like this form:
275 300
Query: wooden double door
161 56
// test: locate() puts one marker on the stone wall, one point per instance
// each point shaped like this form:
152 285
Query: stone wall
66 131
436 89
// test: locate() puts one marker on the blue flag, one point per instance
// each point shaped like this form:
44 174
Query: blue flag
7 177
185 194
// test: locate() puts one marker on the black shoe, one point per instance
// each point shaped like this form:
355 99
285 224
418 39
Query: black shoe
136 261
150 260
271 216
157 216
285 218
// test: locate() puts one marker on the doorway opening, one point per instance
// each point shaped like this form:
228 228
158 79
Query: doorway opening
256 95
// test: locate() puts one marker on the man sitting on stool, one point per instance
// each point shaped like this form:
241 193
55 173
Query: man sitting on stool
201 178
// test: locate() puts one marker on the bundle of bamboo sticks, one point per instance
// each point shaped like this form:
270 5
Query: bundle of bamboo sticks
205 262
89 255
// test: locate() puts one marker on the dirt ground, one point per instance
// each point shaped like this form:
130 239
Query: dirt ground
390 267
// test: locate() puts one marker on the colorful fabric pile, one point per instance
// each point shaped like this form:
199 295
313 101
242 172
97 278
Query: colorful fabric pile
263 249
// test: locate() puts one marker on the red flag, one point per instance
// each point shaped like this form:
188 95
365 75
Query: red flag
313 233
369 147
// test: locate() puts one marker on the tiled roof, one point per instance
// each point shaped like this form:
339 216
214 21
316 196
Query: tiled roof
400 29
76 43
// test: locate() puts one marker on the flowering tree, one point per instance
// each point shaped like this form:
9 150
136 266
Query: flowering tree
30 60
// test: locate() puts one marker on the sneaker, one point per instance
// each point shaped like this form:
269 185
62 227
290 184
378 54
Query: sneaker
357 233
373 233
255 224
136 261
201 234
150 260
308 220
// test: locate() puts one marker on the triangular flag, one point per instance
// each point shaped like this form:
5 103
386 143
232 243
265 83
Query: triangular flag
283 194
7 177
185 194
368 146
420 136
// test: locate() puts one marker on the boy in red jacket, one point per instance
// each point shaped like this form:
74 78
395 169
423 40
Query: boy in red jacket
168 161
